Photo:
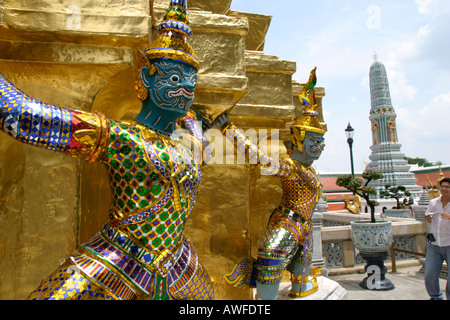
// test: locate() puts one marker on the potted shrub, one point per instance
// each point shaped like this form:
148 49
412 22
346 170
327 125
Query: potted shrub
398 193
372 238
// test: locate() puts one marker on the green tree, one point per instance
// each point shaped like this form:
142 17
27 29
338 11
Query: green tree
361 188
397 193
421 162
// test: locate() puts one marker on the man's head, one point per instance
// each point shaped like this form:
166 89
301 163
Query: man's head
444 186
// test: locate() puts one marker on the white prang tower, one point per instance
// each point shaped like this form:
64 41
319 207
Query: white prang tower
386 156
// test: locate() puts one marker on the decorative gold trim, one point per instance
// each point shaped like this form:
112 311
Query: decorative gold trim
173 49
293 167
94 140
312 277
101 285
117 272
228 126
149 135
103 142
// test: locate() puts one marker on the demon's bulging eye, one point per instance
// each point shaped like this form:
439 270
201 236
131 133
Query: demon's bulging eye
317 141
175 78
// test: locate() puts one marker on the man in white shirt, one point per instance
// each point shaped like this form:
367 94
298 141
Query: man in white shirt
438 250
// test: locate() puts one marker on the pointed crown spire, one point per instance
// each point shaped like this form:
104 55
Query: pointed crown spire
174 32
309 120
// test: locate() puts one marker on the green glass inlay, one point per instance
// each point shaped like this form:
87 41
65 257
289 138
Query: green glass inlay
128 177
142 191
140 176
128 163
156 190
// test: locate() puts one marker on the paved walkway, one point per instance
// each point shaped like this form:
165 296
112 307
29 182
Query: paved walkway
408 281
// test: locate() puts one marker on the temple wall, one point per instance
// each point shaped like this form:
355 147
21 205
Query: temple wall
50 203
60 58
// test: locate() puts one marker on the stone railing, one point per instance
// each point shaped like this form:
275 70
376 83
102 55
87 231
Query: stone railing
338 249
333 246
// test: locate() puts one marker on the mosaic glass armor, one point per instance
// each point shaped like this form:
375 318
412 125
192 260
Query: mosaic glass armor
289 224
141 251
287 240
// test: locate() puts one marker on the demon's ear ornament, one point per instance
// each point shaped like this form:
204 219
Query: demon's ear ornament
139 87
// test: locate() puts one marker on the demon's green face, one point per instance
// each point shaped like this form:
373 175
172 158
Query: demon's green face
172 86
313 145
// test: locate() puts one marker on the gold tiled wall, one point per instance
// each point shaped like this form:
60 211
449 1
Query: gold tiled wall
51 203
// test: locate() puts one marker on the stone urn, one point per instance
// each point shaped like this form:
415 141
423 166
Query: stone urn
373 240
397 213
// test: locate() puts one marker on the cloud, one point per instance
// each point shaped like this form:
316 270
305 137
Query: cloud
431 38
407 127
434 46
424 132
401 90
340 38
410 55
433 118
433 7
424 31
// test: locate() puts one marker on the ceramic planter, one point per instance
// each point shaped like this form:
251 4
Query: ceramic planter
371 238
397 213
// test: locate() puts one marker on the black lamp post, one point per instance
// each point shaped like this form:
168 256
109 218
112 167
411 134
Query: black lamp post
349 132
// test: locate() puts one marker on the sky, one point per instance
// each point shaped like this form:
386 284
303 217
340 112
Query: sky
341 37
